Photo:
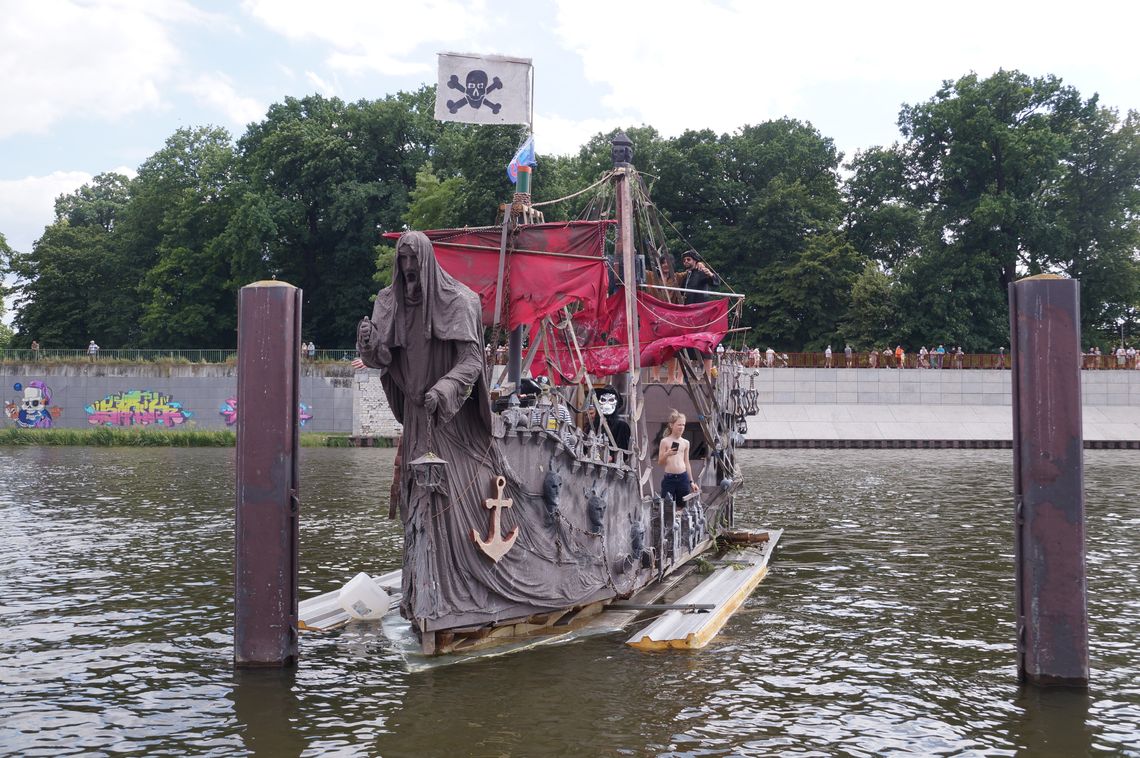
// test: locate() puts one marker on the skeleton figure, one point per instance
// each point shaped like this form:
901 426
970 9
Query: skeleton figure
475 91
34 407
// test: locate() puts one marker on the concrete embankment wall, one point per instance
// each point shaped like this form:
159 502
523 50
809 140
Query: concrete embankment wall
193 396
797 406
840 406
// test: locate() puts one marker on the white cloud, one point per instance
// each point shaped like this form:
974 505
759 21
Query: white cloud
323 87
709 63
216 90
555 135
28 205
374 37
101 60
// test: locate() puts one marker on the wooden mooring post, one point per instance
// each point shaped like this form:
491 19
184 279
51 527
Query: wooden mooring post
265 554
1049 545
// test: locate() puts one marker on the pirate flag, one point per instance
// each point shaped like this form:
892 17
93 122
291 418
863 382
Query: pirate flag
483 89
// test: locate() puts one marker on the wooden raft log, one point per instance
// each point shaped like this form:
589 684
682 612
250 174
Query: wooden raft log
727 588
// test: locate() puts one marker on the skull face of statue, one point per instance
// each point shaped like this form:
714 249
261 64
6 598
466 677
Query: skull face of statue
476 87
607 404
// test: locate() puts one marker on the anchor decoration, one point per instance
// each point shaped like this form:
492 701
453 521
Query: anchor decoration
475 89
496 545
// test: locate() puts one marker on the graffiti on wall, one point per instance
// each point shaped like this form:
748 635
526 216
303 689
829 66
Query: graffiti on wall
34 409
137 408
229 411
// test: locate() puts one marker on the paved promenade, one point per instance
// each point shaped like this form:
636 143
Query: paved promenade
874 405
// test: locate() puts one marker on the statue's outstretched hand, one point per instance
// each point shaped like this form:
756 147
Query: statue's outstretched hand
365 334
368 342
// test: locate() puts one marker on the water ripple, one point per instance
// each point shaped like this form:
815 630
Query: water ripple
885 626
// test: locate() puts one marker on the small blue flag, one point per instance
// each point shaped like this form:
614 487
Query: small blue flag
524 157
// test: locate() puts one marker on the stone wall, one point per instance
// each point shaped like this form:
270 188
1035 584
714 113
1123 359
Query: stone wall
914 404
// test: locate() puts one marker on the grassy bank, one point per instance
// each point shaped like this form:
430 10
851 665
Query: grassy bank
105 436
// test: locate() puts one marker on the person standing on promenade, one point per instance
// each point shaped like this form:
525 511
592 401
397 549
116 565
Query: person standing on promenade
92 350
849 355
900 357
941 352
35 350
873 358
827 357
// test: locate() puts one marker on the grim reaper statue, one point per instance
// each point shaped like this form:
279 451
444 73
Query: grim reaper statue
426 335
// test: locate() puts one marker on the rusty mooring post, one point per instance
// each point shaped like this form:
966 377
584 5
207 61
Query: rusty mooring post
265 556
1048 486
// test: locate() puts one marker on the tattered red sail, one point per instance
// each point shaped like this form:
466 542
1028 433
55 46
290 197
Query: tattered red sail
663 328
550 266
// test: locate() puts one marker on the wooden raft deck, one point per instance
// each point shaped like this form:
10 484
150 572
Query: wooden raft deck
726 589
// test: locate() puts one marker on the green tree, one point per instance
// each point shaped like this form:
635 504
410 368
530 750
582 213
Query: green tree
997 178
77 282
330 177
872 315
187 294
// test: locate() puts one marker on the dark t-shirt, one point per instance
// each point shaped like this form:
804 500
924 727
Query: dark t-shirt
698 280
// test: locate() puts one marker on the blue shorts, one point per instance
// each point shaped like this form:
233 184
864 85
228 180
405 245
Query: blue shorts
677 485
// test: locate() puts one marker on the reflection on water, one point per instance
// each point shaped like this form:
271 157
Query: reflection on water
884 626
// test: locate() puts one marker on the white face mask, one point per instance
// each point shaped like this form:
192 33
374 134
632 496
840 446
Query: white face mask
607 404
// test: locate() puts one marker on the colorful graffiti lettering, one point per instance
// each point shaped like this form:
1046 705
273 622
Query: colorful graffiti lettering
137 408
32 411
229 412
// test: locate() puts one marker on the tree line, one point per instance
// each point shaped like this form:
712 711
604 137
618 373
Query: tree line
992 179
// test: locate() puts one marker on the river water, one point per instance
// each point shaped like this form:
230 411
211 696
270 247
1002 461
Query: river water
884 626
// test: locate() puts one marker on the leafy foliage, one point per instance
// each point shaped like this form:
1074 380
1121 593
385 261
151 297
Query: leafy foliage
993 178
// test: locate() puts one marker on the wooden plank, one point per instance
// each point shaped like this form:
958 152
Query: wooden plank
727 587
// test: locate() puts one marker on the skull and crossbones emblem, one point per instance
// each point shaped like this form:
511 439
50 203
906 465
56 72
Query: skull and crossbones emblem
474 92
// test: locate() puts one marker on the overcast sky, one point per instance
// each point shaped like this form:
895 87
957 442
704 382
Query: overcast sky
94 86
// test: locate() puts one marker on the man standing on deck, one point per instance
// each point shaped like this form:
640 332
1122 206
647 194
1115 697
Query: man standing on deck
698 278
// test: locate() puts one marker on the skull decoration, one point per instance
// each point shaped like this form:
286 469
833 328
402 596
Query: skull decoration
551 494
595 510
621 150
475 90
606 403
476 87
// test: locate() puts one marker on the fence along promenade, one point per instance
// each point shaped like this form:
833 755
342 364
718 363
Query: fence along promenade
968 361
132 355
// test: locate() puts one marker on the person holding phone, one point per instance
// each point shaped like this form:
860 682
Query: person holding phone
673 456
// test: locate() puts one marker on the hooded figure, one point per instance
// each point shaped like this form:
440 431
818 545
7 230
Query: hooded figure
426 335
608 404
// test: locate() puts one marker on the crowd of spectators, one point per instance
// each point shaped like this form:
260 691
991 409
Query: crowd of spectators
939 357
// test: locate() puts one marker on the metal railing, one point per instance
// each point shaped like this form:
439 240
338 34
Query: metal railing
861 359
948 361
131 355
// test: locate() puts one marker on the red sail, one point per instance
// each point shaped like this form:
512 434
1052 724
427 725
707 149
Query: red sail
551 266
664 328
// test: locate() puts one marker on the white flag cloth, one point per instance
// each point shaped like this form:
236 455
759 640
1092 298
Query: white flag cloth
483 89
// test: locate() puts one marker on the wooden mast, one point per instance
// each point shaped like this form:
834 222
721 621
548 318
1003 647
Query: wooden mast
622 152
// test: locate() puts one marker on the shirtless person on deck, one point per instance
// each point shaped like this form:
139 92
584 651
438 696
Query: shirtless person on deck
673 456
